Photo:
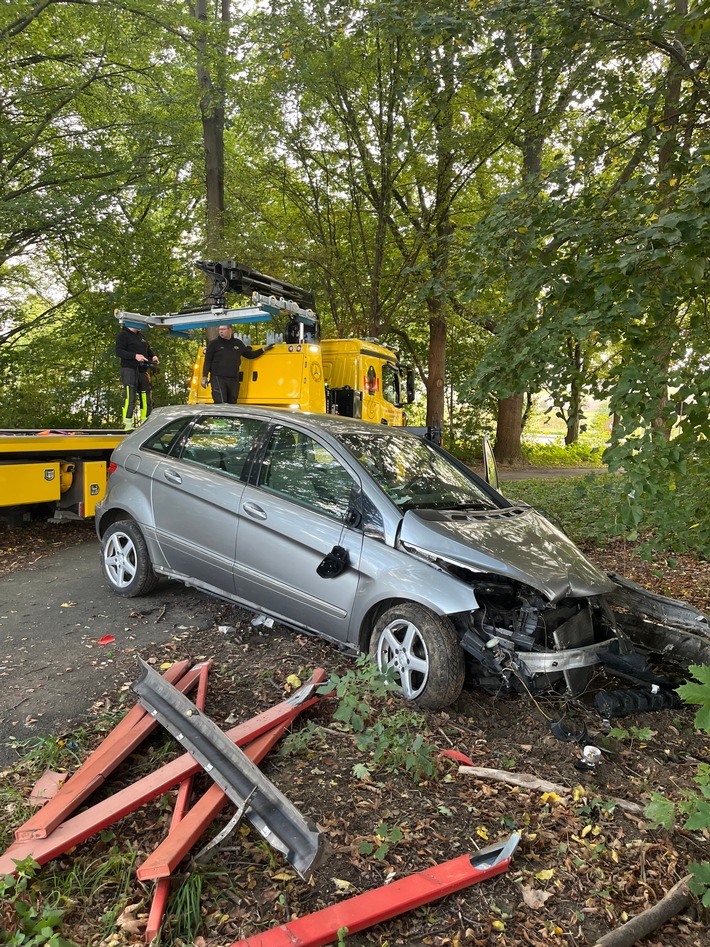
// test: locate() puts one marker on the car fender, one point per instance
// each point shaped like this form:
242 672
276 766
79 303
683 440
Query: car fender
125 500
124 496
390 574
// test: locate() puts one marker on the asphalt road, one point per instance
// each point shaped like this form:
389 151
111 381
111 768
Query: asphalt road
52 618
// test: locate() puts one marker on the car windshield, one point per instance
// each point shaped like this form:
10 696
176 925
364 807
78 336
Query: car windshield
413 474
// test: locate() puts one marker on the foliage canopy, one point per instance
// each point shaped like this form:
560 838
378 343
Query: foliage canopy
517 195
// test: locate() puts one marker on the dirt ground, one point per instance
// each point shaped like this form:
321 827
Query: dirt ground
583 865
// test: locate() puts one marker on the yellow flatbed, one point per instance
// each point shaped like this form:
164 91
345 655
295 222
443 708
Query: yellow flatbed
65 470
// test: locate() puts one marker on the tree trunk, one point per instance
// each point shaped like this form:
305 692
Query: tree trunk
509 430
666 157
575 397
435 401
212 108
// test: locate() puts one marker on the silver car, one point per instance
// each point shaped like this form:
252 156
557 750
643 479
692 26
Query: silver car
372 537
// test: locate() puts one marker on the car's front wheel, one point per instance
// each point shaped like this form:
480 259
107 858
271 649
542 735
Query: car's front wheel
421 652
125 560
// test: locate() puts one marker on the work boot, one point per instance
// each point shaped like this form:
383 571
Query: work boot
128 425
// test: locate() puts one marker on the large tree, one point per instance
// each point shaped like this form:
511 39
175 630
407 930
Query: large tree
90 123
367 118
616 253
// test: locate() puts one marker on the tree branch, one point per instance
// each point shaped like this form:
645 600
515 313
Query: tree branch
527 781
675 901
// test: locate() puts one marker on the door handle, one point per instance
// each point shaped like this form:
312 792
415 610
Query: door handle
173 476
256 512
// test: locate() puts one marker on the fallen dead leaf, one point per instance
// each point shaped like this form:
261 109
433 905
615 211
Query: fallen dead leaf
535 897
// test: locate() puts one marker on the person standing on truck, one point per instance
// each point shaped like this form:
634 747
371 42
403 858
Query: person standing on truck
222 360
136 357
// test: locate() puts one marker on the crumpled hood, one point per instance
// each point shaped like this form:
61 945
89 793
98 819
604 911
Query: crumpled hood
517 543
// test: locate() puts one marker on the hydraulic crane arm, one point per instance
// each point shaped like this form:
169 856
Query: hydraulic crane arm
269 298
230 277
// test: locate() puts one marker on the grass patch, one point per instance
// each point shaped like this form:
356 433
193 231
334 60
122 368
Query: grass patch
590 509
581 454
585 507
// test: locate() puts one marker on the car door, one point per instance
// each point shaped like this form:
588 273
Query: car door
299 542
196 496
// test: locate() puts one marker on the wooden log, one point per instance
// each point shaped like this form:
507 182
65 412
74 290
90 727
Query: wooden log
527 781
651 919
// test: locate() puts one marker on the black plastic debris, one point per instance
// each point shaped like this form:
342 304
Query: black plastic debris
620 703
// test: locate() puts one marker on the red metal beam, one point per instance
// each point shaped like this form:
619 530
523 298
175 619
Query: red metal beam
120 743
162 889
373 907
85 824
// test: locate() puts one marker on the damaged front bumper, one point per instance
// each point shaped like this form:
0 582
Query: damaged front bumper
617 629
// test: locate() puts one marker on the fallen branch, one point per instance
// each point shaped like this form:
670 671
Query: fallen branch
541 785
651 919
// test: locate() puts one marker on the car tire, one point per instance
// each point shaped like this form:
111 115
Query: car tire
422 651
125 560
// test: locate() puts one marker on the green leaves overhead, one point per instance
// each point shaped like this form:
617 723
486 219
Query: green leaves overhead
532 178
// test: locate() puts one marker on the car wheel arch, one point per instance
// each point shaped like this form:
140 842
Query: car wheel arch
110 517
375 612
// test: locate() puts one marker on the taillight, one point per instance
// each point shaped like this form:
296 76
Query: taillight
110 469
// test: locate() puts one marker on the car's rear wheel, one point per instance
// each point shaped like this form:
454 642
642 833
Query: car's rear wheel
421 652
125 560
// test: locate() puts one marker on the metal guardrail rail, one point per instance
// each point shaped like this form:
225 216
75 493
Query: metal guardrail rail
276 819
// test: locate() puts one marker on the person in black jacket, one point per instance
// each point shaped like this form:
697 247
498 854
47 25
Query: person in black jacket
136 357
222 360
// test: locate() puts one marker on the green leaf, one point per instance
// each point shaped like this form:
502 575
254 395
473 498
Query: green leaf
360 771
660 811
700 819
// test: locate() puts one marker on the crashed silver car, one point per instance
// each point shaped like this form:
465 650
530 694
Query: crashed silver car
376 539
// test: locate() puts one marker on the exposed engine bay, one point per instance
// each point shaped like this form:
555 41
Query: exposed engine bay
517 640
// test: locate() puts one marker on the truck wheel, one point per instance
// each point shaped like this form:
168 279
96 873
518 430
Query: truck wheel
125 560
422 653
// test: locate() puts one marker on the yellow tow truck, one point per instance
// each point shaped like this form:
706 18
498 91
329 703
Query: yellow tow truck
353 377
66 471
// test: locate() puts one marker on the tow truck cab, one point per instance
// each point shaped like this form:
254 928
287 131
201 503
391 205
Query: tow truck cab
356 378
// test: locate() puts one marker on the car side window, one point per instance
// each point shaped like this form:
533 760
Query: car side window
221 443
300 469
164 441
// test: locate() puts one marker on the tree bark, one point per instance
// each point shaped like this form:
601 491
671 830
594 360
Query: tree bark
575 394
509 428
435 400
666 158
677 900
212 109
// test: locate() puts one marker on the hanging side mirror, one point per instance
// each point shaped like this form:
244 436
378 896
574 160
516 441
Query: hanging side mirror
334 563
490 467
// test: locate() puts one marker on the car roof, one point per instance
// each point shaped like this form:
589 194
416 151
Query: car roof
332 424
